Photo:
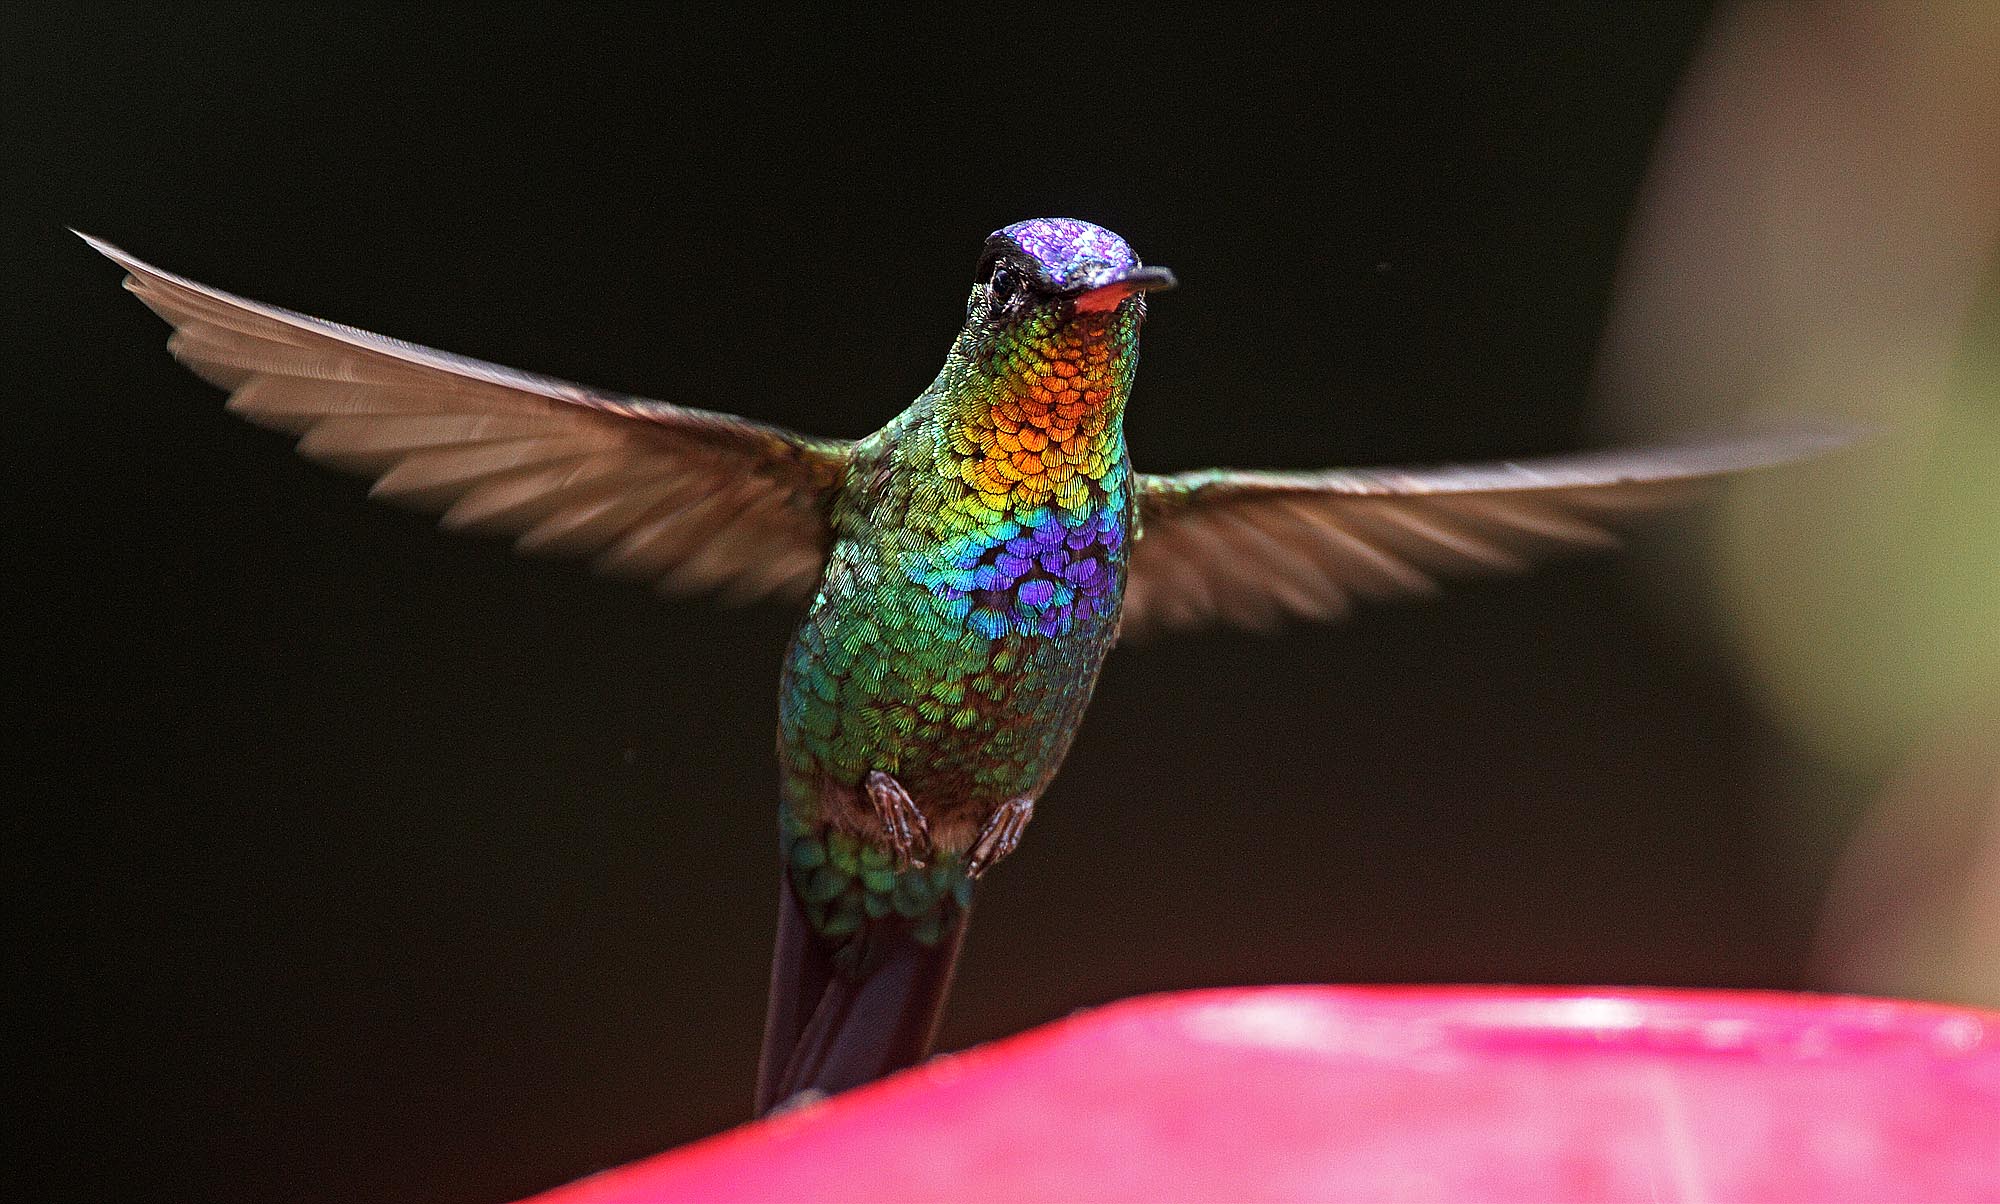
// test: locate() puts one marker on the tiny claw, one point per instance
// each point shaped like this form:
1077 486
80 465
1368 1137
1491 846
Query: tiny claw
903 821
1000 836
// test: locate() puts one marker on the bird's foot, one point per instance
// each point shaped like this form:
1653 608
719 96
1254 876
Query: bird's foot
1000 836
903 823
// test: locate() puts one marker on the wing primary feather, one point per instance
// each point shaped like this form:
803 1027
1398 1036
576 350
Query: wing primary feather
1236 545
1380 572
564 467
518 502
1426 532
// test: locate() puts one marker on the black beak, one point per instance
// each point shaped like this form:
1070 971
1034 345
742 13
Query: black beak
1108 294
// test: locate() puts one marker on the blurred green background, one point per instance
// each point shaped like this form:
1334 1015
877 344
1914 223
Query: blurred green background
1820 232
355 861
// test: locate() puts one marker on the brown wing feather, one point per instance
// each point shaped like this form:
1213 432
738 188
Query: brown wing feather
1249 548
688 499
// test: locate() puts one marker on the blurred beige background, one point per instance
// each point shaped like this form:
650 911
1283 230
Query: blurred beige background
1818 235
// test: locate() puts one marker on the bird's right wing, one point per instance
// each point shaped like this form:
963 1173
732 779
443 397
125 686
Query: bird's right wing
691 500
1246 548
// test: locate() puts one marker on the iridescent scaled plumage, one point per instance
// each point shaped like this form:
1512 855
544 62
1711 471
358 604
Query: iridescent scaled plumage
974 583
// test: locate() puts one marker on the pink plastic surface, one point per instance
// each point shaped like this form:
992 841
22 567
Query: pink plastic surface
1408 1094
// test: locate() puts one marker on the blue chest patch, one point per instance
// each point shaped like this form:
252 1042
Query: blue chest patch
1039 573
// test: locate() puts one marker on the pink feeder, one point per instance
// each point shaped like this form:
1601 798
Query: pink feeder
1407 1094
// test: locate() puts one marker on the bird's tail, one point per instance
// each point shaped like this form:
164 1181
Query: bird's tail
859 977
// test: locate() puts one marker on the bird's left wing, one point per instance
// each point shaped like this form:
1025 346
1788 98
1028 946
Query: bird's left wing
689 499
1248 548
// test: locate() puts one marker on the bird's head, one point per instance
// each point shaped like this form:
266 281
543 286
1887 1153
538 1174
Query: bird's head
1033 393
1051 284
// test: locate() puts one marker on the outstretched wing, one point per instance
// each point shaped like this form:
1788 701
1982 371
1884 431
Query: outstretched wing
1251 547
689 499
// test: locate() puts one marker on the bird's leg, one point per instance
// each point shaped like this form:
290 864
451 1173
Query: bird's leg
903 823
1000 836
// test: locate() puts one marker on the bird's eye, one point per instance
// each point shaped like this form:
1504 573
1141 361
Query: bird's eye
1002 284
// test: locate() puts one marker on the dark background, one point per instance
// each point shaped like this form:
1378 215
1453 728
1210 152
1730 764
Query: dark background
358 862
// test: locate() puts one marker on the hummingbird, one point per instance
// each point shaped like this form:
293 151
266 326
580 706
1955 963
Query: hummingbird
963 571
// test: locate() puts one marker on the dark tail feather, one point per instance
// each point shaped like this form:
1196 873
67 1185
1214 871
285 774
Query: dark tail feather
828 1031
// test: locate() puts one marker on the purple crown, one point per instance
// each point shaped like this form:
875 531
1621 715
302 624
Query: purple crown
1070 252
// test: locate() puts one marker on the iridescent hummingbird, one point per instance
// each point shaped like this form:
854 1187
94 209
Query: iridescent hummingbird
965 570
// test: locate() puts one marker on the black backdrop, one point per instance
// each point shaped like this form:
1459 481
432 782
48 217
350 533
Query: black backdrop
359 862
